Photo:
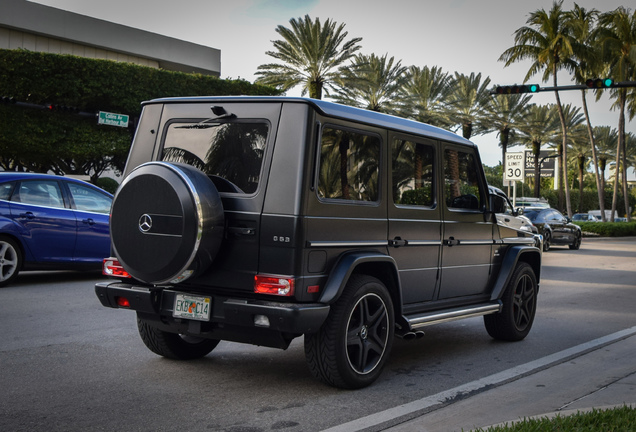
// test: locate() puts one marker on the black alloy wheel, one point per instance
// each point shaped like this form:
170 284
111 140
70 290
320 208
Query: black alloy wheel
577 242
515 320
547 239
352 346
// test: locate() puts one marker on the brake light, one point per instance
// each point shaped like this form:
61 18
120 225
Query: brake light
112 267
274 285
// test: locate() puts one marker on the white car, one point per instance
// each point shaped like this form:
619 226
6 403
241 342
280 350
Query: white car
511 217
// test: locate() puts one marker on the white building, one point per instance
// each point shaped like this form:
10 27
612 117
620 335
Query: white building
40 28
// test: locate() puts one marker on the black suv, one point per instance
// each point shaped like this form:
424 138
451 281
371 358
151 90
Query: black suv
258 220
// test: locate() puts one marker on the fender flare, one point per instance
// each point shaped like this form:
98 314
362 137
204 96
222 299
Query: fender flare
530 254
344 268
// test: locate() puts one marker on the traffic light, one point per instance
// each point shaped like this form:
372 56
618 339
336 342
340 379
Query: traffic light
599 83
63 108
515 89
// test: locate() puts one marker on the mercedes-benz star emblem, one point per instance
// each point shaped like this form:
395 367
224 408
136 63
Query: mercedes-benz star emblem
145 223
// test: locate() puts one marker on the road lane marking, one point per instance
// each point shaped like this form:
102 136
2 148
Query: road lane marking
421 406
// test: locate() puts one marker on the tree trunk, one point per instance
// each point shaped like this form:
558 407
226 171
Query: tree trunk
599 184
564 158
621 137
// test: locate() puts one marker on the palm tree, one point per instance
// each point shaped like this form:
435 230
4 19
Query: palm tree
538 127
311 54
583 22
548 42
426 92
372 83
617 35
468 102
504 113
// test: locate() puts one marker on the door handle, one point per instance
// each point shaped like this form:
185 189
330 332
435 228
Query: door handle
89 221
27 215
397 242
451 242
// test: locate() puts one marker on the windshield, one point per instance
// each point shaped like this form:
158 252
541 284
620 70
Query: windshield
230 153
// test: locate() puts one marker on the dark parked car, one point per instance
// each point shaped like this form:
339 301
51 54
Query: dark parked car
262 219
51 222
555 228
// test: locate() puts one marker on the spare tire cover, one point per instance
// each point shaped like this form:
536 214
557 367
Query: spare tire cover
166 222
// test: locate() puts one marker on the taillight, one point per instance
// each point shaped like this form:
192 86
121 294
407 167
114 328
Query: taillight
274 285
112 267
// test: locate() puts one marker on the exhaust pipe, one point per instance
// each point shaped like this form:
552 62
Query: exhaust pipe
412 335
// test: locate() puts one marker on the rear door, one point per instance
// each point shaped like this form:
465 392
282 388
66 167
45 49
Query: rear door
414 216
47 226
234 148
467 238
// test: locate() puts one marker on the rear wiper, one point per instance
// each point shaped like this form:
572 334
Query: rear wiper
220 112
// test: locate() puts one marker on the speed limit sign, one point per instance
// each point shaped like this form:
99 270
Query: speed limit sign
514 166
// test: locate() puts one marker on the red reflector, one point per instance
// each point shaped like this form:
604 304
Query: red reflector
275 285
112 267
313 289
122 302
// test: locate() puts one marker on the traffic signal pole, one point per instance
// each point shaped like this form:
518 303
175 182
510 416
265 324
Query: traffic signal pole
591 84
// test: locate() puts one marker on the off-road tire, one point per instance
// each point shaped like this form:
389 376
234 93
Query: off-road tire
174 346
515 320
352 346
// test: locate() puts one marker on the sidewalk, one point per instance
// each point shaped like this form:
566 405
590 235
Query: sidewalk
603 377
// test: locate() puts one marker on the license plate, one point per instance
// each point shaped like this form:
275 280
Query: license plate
192 307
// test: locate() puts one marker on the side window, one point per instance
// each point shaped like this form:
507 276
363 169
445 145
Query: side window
461 180
40 192
5 190
349 165
87 199
413 173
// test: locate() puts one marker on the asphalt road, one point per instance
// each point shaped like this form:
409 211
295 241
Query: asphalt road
68 364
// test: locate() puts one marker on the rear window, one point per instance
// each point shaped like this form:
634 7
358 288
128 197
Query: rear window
230 153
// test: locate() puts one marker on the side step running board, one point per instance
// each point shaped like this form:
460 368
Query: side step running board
436 317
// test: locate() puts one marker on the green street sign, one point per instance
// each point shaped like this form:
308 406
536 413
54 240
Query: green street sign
112 119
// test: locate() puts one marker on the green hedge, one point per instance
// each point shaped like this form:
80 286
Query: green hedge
37 139
104 85
608 229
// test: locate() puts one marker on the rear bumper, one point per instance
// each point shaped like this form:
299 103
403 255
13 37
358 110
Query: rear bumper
156 303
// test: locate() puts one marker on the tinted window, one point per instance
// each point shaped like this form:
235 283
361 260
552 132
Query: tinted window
44 193
413 173
230 153
532 215
461 181
87 199
349 165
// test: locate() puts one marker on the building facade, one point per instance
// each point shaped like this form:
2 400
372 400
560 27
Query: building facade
35 27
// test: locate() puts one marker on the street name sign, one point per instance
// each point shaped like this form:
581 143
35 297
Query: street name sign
112 119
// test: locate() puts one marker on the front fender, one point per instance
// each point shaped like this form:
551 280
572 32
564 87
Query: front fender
514 254
345 266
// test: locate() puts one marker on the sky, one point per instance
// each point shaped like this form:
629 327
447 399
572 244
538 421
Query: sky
465 36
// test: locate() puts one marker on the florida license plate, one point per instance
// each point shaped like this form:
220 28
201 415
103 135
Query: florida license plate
192 307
